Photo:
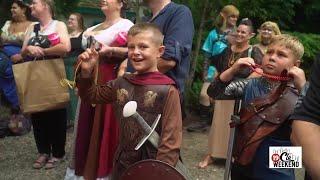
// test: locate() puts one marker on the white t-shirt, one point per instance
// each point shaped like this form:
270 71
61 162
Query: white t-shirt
107 36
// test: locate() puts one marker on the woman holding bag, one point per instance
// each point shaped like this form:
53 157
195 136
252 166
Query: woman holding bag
47 39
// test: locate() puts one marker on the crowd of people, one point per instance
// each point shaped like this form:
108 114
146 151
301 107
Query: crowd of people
117 61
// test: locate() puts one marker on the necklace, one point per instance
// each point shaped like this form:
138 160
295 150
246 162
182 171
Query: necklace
269 76
233 58
236 53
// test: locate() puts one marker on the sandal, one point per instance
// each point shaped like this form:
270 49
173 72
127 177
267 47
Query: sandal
52 163
40 162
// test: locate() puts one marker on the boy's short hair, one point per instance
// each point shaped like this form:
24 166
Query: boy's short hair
144 27
291 43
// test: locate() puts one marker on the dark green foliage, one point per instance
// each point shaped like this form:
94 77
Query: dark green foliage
4 11
311 48
291 15
64 8
280 11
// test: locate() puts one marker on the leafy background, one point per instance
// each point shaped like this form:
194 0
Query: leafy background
300 18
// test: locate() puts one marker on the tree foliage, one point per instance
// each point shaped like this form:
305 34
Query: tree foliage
64 8
280 11
4 11
296 17
311 48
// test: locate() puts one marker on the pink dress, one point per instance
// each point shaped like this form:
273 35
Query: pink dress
97 136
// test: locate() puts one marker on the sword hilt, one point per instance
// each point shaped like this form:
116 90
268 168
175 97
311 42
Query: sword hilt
142 122
130 110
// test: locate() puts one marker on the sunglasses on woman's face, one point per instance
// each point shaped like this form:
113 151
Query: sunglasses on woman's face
269 31
233 16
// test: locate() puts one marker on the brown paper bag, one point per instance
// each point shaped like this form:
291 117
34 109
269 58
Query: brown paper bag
38 85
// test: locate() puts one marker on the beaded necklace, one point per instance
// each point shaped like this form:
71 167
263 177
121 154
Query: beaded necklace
269 76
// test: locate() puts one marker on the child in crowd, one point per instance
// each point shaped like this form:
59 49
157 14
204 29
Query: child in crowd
267 102
154 92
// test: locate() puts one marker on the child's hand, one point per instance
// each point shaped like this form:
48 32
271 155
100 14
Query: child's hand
228 74
123 68
247 61
106 50
88 60
299 78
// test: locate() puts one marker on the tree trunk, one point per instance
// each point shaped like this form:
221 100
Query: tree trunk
198 44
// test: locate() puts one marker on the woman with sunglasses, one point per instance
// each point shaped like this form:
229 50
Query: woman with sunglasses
49 127
266 32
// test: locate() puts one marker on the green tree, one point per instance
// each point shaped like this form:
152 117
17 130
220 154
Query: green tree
297 17
64 8
4 11
280 11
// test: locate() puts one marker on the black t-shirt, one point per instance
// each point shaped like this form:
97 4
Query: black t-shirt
309 109
226 59
76 46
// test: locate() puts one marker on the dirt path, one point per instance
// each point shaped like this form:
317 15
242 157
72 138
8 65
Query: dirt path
18 153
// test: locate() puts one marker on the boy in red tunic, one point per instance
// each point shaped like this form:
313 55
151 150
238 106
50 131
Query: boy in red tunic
154 92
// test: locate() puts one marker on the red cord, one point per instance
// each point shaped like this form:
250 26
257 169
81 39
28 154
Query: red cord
269 76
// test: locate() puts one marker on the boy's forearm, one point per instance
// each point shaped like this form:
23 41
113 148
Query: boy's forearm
227 75
217 88
171 130
94 94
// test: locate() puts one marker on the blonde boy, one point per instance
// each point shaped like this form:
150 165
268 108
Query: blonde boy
267 103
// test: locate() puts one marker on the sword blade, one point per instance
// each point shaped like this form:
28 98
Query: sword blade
145 126
151 136
232 136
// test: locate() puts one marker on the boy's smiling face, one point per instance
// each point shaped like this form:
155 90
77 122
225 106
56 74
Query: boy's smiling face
144 52
277 59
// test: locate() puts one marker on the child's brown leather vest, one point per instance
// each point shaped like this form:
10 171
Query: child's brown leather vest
150 100
260 118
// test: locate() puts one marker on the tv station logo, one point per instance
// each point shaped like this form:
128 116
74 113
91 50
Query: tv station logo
285 157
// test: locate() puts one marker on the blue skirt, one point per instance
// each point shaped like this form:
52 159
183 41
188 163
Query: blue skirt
7 83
